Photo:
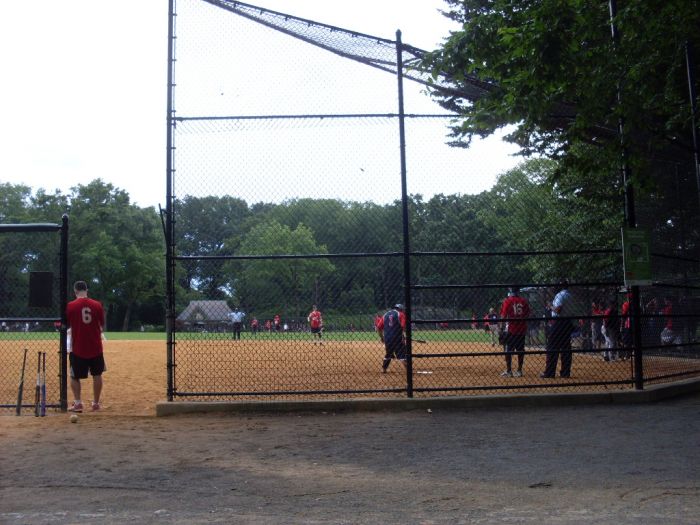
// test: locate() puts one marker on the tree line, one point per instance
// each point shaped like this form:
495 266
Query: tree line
118 247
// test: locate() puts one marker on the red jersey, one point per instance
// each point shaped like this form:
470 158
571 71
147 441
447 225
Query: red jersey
625 313
277 320
378 319
315 319
515 308
668 311
85 317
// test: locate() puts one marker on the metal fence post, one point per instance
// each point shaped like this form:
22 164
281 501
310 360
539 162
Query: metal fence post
404 209
63 301
631 221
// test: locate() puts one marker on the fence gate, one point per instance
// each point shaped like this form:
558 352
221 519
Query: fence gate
33 294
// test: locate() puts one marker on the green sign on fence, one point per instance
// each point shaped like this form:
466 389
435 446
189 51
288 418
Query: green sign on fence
636 257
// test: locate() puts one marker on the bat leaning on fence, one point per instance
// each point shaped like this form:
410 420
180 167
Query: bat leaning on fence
20 390
37 388
42 412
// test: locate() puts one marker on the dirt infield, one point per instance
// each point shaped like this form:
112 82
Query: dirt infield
136 377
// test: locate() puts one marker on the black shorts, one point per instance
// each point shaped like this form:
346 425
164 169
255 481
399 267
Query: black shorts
515 343
316 330
79 367
395 349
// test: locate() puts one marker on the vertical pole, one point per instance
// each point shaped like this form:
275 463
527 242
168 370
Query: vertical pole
404 210
169 235
630 222
63 302
690 66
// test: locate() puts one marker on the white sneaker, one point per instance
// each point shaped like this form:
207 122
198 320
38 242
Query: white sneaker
517 373
507 373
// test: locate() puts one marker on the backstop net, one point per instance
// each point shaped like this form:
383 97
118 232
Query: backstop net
309 171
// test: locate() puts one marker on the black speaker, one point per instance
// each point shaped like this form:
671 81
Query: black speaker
41 289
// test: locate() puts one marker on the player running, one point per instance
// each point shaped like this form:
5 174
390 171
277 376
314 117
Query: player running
315 319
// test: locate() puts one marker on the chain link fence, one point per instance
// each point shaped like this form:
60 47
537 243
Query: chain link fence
32 290
301 177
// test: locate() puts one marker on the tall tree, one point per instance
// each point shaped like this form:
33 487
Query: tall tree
117 247
280 283
554 73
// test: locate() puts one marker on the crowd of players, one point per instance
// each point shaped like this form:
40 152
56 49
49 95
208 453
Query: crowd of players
512 325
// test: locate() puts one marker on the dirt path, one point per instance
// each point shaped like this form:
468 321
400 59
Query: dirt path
600 464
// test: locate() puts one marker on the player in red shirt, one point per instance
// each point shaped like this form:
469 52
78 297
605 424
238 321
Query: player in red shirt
85 318
315 319
626 329
515 310
277 322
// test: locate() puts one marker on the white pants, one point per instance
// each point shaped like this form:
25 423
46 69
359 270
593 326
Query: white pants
609 344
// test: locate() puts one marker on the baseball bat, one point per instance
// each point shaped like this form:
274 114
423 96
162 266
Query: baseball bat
43 384
37 389
423 341
20 390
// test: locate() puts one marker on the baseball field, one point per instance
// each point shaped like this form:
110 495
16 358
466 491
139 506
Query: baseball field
215 367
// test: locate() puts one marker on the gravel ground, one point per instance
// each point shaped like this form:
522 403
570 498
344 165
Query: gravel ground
620 464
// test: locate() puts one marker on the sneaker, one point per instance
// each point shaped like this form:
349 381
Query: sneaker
75 407
96 407
507 373
518 373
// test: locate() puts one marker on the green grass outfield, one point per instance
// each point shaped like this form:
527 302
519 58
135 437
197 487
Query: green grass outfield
465 336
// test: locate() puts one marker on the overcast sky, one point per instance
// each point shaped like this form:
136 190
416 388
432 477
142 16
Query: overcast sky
83 88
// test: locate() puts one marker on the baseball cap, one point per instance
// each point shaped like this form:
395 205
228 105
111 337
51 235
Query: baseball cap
398 306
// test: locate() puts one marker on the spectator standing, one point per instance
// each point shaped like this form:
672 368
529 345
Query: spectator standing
514 312
626 329
277 322
610 330
254 326
85 318
559 340
237 319
597 338
493 327
668 334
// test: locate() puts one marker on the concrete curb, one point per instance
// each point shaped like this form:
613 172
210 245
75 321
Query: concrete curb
651 394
